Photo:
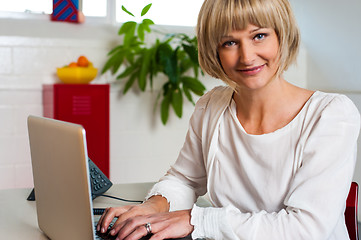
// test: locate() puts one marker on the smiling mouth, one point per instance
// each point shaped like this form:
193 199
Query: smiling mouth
252 71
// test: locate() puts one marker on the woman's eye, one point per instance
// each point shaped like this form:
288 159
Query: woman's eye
260 36
229 44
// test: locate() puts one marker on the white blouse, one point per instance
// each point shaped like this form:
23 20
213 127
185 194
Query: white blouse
288 184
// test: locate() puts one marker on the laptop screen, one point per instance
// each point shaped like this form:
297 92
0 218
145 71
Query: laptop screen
61 182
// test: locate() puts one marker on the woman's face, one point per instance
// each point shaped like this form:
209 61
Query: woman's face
250 56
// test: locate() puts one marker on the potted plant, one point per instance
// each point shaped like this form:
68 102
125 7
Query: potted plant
175 56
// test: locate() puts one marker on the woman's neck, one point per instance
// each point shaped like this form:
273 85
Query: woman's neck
270 108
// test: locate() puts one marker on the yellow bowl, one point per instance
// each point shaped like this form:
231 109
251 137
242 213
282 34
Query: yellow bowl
77 75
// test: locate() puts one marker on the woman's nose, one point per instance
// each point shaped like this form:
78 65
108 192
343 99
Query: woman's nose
246 54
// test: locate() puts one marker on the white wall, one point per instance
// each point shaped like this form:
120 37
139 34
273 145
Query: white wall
142 149
331 33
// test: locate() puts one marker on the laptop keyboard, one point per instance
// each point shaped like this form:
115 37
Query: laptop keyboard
99 235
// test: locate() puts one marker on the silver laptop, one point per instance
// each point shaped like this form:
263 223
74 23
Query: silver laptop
61 179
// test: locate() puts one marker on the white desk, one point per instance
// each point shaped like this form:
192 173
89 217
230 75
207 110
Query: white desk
18 216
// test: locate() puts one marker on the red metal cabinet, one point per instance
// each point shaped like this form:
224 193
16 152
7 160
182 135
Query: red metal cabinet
85 104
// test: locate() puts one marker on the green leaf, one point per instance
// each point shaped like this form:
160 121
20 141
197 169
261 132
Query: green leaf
171 69
164 109
177 102
117 64
146 9
116 49
129 83
130 55
188 94
146 23
127 71
142 80
129 37
140 31
185 64
153 70
168 59
113 63
192 52
125 10
194 85
166 88
183 37
107 66
196 71
127 27
164 52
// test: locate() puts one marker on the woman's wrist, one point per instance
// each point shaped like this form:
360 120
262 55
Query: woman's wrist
158 203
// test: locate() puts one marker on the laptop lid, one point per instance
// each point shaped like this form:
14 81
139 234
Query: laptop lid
61 182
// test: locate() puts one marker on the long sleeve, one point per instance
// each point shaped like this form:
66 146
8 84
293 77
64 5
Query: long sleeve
315 202
187 178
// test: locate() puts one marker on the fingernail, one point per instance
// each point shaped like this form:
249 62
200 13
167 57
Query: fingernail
103 230
98 228
112 232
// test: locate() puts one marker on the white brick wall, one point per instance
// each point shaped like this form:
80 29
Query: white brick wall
141 148
25 64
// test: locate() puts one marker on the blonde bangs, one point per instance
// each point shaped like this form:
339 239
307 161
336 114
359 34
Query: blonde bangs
237 15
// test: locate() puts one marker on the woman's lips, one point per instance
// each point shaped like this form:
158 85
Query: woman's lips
252 71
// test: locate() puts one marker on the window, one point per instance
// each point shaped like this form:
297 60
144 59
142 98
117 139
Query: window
36 6
162 12
94 8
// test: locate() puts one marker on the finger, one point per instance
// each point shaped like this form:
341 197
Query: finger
124 218
101 219
159 231
132 211
108 217
116 227
135 225
131 218
137 233
124 228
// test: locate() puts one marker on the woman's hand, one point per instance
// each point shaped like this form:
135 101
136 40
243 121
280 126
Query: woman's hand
155 204
162 226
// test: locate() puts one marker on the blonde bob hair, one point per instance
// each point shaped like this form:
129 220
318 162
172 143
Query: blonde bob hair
219 17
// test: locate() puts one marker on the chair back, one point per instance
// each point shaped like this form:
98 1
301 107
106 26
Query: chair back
351 212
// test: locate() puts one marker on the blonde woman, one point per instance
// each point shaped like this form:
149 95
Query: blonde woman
276 160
